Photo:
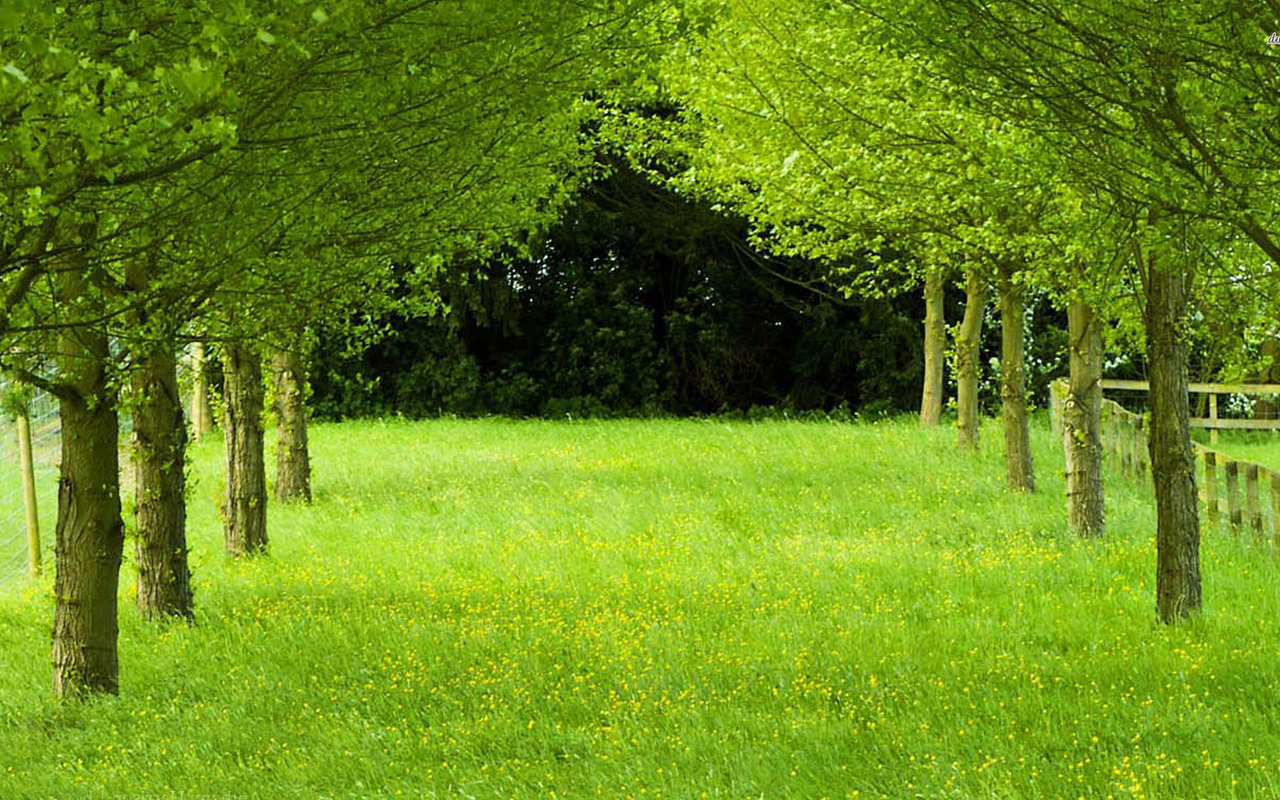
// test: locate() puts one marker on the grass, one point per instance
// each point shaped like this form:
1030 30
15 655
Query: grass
1260 447
667 609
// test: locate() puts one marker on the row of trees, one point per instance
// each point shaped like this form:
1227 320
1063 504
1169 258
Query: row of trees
638 301
1117 157
229 172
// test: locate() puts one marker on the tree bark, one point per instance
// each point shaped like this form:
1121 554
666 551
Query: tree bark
293 463
1082 423
90 531
245 507
968 337
1172 461
201 410
1019 469
935 336
159 453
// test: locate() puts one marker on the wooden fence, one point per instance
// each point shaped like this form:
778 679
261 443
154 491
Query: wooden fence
1124 438
1213 422
1250 513
1220 477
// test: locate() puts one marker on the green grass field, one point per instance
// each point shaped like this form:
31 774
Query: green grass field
1261 447
667 609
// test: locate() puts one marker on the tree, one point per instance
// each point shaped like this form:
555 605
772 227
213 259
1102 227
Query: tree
457 162
834 146
103 107
935 334
293 461
638 299
127 126
1082 422
1157 110
159 456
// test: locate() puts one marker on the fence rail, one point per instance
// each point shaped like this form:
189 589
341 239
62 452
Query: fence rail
1124 439
1213 422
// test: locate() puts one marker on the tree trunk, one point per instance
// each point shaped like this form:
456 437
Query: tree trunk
1082 423
1172 461
968 338
293 464
1019 470
245 508
935 335
159 452
201 411
90 532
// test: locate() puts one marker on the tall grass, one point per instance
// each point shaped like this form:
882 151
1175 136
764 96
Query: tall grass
1262 447
668 609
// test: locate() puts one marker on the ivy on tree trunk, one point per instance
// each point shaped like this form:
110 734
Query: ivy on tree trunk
1019 469
245 506
293 463
1178 592
1082 423
159 453
90 531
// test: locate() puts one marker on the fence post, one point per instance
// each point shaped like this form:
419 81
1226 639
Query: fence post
1233 493
1252 512
1131 447
1275 512
1140 439
1124 442
201 415
1213 416
27 466
1055 407
1109 433
1211 486
1121 434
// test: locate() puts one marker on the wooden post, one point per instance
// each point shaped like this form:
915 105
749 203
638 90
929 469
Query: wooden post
1056 393
1131 445
1124 442
1109 433
201 414
26 464
1144 457
1253 513
1104 431
1213 415
1136 435
1275 512
1233 493
1211 486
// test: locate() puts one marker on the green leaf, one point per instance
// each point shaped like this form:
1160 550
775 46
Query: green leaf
12 69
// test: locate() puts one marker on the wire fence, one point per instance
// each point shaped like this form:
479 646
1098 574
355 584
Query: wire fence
46 450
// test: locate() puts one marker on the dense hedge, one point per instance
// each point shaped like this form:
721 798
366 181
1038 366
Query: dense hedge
639 302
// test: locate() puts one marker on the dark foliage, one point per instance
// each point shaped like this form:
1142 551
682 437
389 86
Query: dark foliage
639 302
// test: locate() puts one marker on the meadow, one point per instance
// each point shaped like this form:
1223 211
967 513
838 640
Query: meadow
1260 447
678 609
